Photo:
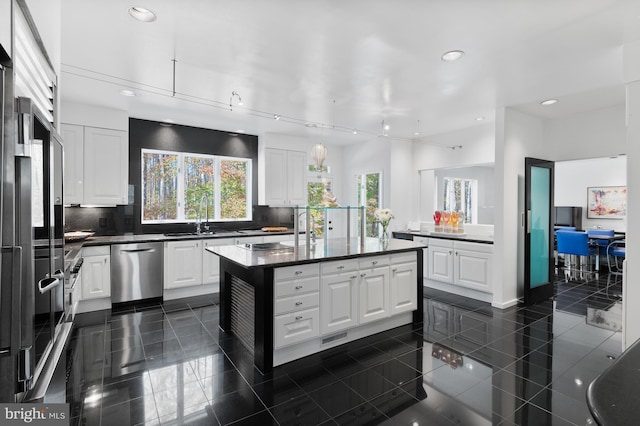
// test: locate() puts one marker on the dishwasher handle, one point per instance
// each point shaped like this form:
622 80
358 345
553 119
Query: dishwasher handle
139 250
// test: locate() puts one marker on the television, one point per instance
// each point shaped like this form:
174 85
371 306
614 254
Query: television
568 216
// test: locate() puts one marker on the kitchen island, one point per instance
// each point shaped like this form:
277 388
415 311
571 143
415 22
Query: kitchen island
284 302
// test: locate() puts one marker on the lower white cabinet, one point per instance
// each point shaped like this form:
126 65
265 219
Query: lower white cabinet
182 263
338 302
374 289
461 263
96 272
440 260
296 304
403 292
473 266
211 262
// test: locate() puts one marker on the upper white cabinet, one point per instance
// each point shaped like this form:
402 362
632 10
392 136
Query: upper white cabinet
96 165
73 137
285 177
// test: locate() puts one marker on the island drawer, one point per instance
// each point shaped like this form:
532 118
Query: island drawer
302 301
339 266
296 286
296 327
297 271
373 262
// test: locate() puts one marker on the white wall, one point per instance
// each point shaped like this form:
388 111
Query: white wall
93 116
591 134
402 184
517 136
573 177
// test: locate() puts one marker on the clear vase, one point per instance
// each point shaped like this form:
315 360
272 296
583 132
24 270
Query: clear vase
384 236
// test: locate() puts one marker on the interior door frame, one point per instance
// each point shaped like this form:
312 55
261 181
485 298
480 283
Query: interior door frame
544 291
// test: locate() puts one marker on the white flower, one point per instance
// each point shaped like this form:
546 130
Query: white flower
383 215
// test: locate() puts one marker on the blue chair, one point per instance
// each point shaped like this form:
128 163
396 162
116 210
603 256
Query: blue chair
616 250
575 244
600 244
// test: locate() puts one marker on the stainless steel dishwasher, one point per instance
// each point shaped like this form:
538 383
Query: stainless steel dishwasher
136 271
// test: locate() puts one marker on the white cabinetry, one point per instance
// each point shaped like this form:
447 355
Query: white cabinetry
338 296
96 165
374 289
440 260
96 273
182 263
285 177
296 304
403 291
211 262
473 265
73 137
463 264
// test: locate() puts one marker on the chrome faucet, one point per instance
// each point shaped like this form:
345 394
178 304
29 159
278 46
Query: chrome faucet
197 219
206 207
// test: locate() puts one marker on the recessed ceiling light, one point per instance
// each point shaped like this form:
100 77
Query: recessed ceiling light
479 118
452 55
386 127
142 14
416 133
276 116
355 131
126 92
240 131
549 102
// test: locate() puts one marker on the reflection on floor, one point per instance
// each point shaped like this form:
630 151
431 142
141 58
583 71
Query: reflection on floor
469 365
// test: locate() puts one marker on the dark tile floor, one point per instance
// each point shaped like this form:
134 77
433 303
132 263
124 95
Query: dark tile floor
469 364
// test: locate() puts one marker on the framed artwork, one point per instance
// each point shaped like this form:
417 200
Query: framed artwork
606 202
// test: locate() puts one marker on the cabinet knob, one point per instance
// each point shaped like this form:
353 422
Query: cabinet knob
394 270
375 262
363 275
298 287
298 303
299 317
341 267
450 252
298 272
353 277
456 253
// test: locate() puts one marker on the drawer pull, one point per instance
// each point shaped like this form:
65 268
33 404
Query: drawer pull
394 270
353 277
298 287
375 262
298 303
363 275
298 272
299 317
341 267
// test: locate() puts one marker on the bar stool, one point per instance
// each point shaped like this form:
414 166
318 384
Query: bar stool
617 250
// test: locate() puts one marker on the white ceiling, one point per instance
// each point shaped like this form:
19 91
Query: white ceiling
346 64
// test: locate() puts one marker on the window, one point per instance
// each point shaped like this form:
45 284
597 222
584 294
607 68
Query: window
461 195
369 189
175 183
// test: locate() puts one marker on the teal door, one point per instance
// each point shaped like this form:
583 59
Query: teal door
539 237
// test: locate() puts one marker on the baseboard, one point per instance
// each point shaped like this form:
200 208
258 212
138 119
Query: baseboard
198 290
505 305
93 305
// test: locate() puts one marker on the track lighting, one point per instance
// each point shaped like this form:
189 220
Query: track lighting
276 116
234 94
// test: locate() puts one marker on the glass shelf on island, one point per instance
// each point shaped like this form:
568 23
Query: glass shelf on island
325 218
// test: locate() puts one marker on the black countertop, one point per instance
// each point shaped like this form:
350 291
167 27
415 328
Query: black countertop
336 248
613 396
469 238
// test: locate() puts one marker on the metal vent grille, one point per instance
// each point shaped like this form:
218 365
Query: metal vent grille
242 312
34 75
334 337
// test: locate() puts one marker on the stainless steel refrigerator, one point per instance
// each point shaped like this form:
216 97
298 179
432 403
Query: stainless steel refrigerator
31 299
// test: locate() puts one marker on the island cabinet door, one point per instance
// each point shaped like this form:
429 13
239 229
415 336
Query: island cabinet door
338 302
374 294
404 279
